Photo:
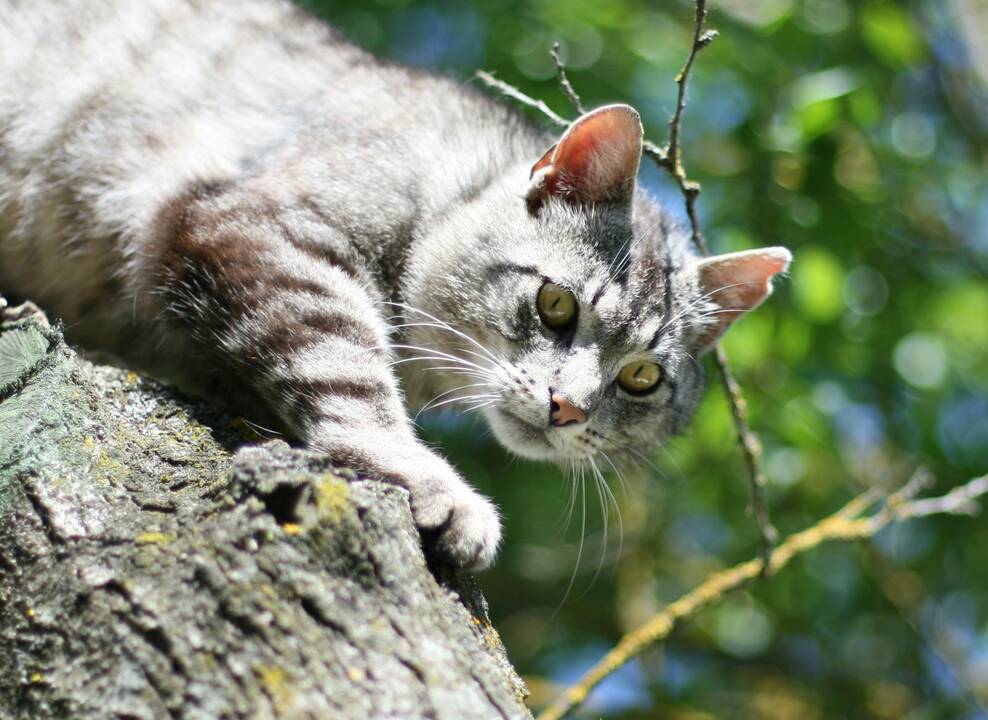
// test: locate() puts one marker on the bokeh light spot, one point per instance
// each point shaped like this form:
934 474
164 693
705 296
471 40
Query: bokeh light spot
921 360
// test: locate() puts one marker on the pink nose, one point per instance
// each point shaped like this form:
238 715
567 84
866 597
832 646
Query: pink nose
564 412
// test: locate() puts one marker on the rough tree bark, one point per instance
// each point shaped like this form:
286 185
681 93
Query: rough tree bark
148 569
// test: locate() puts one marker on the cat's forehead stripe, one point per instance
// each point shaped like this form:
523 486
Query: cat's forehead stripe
496 270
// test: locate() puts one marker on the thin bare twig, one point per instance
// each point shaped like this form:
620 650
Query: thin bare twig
959 501
564 82
848 523
672 162
514 93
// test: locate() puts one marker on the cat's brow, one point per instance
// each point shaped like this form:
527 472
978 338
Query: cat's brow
507 267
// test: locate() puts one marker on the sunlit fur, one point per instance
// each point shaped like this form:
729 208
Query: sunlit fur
230 196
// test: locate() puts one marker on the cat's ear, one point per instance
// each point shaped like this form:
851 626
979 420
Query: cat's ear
596 160
736 283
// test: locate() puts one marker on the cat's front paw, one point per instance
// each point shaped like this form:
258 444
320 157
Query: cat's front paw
458 522
469 534
466 525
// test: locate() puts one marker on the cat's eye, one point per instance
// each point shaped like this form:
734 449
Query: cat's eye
640 378
556 305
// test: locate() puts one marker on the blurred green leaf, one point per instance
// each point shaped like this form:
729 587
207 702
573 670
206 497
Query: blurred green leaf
817 283
891 34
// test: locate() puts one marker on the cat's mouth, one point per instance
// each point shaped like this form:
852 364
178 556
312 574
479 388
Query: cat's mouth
520 436
523 437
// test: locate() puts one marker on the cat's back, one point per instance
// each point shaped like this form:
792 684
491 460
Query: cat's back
122 104
110 108
142 96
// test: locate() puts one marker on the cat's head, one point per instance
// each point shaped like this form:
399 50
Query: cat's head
576 311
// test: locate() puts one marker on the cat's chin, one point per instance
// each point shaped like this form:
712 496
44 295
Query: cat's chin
520 437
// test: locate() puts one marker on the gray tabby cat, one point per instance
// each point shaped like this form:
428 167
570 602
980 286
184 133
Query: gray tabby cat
230 196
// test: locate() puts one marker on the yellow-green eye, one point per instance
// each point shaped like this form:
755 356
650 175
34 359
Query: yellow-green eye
640 378
557 306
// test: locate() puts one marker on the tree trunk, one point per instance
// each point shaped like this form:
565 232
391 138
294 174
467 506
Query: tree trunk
148 570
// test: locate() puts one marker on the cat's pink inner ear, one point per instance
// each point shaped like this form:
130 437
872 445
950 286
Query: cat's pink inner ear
596 159
737 283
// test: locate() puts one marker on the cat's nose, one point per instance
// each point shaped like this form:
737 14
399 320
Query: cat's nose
563 412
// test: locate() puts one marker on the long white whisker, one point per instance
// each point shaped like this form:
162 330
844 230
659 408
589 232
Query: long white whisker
617 470
442 354
469 374
445 325
483 396
626 260
619 258
465 369
448 392
696 301
485 357
570 477
644 458
402 361
617 507
598 481
583 532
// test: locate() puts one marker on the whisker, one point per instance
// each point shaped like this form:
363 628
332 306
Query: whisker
446 326
464 370
598 481
259 429
442 327
442 354
466 398
570 477
711 313
696 301
448 392
617 507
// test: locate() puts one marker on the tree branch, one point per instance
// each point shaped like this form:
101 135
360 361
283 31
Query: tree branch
848 523
148 571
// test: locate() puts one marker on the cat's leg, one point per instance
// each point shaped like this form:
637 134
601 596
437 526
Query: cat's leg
297 324
343 396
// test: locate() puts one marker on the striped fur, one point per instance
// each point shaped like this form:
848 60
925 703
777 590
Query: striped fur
233 198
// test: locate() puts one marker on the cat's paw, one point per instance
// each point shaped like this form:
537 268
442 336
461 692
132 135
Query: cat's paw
470 532
459 523
466 525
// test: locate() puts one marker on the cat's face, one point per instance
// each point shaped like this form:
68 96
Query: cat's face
594 359
583 313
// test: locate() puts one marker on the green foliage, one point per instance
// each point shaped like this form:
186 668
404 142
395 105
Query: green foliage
854 134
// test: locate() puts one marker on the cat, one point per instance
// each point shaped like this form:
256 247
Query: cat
232 197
